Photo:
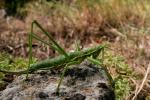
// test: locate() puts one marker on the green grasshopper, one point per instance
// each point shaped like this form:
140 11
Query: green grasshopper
64 60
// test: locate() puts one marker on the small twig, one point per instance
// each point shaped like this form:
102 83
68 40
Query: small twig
142 84
136 88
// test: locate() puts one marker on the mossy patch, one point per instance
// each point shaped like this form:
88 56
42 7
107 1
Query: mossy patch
122 74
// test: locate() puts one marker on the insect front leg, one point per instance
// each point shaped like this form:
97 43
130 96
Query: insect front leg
106 72
95 60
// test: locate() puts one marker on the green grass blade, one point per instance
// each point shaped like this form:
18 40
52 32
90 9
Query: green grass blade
77 45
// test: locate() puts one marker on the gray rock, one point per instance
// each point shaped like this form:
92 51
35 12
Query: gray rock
9 93
43 95
81 82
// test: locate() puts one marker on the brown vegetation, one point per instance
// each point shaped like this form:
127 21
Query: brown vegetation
122 23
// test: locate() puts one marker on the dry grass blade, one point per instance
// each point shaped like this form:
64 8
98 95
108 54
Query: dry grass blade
143 82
